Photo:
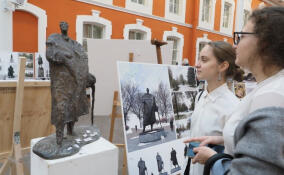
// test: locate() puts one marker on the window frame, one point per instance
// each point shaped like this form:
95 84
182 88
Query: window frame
145 8
210 24
180 16
227 30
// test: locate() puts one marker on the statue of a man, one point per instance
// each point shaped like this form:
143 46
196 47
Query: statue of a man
174 158
149 109
159 162
69 77
142 167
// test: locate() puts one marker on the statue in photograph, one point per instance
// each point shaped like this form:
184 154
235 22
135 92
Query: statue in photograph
142 167
174 158
149 109
40 68
159 162
69 74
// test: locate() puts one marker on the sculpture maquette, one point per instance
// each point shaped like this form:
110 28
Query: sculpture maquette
70 77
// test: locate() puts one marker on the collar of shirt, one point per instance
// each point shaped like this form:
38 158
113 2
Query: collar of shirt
215 93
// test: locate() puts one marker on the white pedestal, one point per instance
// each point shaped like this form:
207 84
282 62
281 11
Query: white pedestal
99 157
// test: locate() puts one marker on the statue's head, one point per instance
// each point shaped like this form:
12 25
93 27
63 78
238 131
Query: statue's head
147 90
63 26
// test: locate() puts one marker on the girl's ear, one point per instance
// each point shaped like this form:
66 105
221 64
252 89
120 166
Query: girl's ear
223 66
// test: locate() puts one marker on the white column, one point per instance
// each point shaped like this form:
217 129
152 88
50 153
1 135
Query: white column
239 15
6 29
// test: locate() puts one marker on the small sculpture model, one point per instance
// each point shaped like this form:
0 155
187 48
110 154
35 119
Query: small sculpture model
69 74
11 72
174 161
149 109
142 167
160 162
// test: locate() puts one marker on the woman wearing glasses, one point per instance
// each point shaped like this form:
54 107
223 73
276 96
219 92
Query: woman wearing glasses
214 105
260 49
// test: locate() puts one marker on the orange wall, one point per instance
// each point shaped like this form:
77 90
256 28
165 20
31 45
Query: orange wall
120 3
159 8
67 10
25 32
118 19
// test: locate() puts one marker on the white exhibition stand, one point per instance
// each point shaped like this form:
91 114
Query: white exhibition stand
99 157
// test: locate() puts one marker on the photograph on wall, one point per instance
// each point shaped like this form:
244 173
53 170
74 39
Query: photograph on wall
8 66
29 72
149 121
184 89
41 67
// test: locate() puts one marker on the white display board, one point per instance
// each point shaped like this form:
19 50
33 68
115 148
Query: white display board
103 55
171 93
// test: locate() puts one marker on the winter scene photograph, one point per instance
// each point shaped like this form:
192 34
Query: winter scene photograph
184 88
148 116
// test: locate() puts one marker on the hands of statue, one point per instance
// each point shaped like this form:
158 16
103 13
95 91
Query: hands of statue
202 154
204 140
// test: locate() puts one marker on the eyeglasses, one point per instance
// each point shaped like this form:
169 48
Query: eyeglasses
238 35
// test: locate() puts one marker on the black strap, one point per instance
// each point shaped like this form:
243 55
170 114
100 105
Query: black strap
200 95
187 169
210 162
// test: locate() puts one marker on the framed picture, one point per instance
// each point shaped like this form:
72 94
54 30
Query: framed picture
153 126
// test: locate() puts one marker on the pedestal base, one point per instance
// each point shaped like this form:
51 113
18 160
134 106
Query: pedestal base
99 157
152 136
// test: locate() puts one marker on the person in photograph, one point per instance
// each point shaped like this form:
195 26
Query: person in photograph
240 90
160 162
214 105
142 167
172 124
149 109
174 158
259 49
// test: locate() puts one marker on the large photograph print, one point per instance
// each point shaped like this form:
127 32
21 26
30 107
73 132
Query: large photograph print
184 89
157 102
147 105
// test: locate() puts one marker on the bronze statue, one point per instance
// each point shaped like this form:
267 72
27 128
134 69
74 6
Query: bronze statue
69 74
149 109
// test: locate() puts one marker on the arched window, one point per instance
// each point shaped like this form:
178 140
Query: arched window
200 43
178 42
175 10
42 23
92 26
143 6
207 14
247 10
227 16
137 31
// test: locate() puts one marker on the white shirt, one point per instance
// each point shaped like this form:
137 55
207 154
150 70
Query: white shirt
209 116
269 92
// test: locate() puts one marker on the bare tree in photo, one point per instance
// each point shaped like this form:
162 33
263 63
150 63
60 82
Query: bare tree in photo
137 107
191 77
181 79
173 82
163 98
128 92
